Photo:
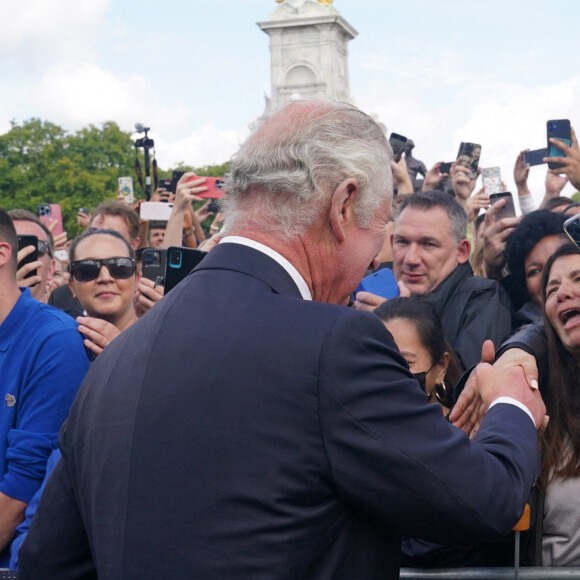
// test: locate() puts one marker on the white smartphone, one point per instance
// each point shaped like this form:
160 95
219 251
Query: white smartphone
155 210
126 189
491 177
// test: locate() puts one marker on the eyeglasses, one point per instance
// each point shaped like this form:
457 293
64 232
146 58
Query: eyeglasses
44 248
87 270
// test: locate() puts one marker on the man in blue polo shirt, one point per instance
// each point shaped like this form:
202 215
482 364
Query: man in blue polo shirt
42 363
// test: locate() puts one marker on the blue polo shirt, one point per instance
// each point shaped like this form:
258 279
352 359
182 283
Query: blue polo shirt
42 364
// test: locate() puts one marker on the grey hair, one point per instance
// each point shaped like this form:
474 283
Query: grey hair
426 200
285 173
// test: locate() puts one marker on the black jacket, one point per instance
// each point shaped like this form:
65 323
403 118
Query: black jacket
472 309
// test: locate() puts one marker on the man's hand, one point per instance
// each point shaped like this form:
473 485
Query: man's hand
461 183
570 163
521 171
514 374
27 268
433 177
99 333
148 294
475 203
495 238
186 191
401 177
83 219
203 212
368 301
555 184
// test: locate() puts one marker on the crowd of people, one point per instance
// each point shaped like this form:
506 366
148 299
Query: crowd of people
264 420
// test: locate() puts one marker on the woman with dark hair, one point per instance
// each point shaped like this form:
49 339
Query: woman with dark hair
418 333
529 246
560 479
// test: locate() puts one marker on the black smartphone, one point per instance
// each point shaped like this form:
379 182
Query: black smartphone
398 143
535 157
445 167
180 262
213 207
24 241
84 210
469 155
153 264
176 176
508 210
572 228
558 129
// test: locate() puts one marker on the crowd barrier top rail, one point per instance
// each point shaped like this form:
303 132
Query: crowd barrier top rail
538 573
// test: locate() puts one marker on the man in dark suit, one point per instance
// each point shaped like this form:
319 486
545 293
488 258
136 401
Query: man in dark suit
251 426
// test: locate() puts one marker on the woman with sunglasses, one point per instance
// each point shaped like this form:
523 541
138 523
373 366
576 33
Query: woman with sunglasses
104 279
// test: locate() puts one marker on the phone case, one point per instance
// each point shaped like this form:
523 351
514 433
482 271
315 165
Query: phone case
24 241
153 264
382 283
468 155
491 177
508 210
126 189
535 157
49 214
155 210
398 143
214 187
558 129
180 262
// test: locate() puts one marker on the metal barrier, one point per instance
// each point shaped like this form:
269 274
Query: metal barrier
489 573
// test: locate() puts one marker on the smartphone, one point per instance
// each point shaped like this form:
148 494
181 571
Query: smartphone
84 210
49 214
164 184
558 129
153 264
180 262
468 155
155 210
491 177
398 143
214 187
24 241
382 283
213 207
508 210
535 157
572 228
175 177
126 189
445 167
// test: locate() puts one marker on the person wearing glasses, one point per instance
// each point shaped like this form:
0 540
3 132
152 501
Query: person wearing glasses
27 224
104 279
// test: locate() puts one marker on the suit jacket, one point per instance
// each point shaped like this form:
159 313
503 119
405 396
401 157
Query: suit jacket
238 431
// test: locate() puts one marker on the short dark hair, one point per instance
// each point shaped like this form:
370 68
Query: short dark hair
117 208
558 202
8 234
23 215
430 330
73 247
426 200
534 227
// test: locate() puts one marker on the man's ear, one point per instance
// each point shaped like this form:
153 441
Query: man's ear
342 207
71 286
463 251
5 253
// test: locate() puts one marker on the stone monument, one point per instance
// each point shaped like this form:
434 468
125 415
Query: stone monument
308 51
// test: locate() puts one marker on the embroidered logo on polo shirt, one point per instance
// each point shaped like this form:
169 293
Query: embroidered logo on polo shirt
10 400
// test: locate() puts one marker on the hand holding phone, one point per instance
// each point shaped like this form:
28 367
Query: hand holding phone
558 129
27 273
398 144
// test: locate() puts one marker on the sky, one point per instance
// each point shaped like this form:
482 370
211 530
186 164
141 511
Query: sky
196 72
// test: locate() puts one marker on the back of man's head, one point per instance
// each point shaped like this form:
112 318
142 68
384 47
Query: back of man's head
427 200
23 215
120 210
8 235
284 174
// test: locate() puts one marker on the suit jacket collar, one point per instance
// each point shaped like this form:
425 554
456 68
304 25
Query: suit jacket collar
252 262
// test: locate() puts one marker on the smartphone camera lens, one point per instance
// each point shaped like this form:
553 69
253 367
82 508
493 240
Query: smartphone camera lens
175 259
152 260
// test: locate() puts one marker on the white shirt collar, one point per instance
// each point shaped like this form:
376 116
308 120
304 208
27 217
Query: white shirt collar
298 279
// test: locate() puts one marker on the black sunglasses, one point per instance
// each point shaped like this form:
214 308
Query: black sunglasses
87 270
44 248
